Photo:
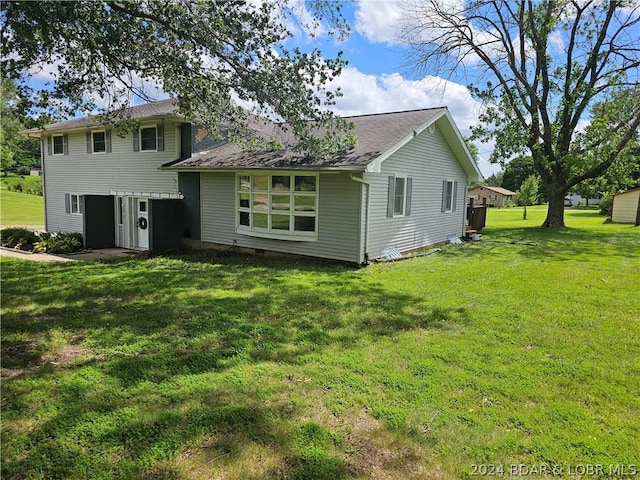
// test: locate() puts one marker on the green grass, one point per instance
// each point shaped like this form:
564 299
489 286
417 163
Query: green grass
20 208
489 353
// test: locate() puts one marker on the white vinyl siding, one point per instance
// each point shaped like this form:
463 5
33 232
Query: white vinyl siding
427 161
338 220
88 174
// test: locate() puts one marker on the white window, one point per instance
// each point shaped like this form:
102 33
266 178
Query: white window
399 196
74 203
149 138
99 142
449 191
58 144
282 206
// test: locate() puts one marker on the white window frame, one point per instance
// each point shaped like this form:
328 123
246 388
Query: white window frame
93 142
271 232
404 195
53 144
449 196
145 127
75 211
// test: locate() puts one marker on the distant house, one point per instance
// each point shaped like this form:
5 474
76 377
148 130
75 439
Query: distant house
625 207
496 196
165 185
35 171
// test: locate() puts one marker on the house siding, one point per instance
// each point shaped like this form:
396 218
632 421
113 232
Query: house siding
625 207
428 160
122 169
339 222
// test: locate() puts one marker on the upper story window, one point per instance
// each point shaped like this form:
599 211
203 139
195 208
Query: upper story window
278 206
148 138
99 142
58 144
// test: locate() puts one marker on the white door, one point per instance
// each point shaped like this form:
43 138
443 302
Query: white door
142 222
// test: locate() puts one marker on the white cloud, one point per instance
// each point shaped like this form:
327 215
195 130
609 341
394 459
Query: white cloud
379 21
366 94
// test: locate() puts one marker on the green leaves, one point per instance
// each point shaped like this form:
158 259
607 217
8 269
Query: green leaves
221 58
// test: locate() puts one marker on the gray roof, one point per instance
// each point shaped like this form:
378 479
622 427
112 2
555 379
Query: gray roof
375 133
160 108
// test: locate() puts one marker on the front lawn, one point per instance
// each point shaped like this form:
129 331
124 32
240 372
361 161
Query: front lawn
518 352
21 208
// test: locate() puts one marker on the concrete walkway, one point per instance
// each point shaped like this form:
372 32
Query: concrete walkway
99 254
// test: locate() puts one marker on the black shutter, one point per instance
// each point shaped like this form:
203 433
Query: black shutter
160 130
392 192
136 139
407 208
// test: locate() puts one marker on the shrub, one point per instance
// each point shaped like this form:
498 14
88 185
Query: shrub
23 170
32 186
605 204
19 238
60 242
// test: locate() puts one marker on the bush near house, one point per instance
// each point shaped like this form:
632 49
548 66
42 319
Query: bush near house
30 185
43 242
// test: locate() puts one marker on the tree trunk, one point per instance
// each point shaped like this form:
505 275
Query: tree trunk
555 212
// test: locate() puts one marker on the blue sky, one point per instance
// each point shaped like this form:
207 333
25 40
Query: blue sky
378 79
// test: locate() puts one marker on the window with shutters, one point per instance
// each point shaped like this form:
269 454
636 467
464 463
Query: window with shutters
281 206
74 203
399 199
148 138
58 144
99 142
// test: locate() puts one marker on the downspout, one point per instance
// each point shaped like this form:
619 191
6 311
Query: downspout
366 218
44 175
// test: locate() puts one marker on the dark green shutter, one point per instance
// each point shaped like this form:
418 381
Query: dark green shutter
390 198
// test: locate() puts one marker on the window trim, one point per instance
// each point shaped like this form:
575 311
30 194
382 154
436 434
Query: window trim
145 127
69 209
270 232
404 195
53 144
93 142
449 202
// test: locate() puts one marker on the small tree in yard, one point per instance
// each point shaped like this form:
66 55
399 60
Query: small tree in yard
528 193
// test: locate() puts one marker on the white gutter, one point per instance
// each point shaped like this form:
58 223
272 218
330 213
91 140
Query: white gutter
366 218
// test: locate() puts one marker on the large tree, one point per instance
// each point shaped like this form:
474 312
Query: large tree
223 59
543 66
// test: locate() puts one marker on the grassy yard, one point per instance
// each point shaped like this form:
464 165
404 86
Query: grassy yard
20 208
487 357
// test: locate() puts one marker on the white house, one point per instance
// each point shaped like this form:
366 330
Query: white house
166 183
